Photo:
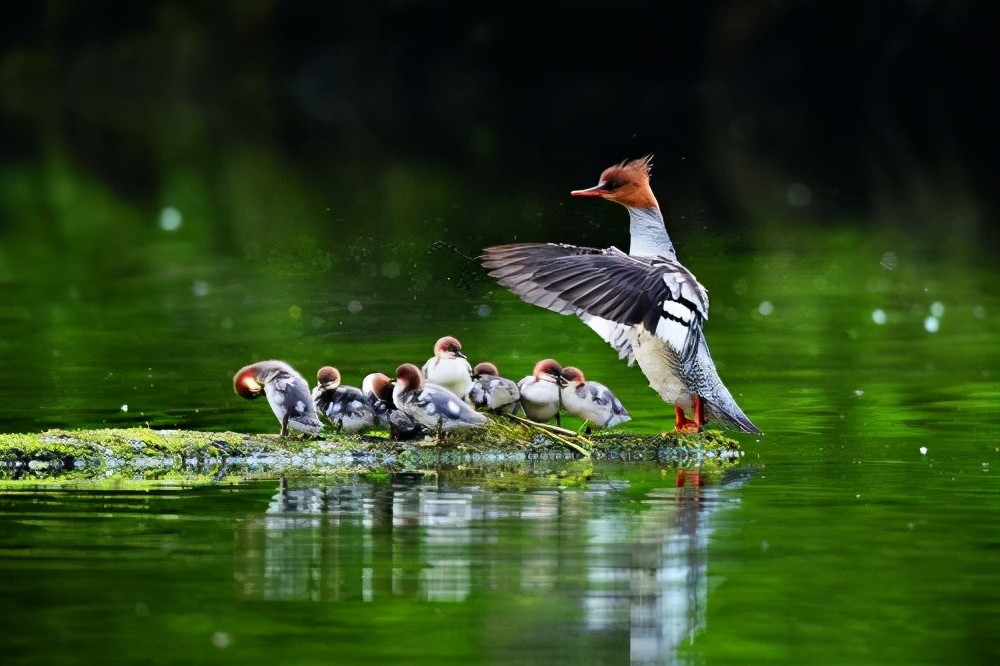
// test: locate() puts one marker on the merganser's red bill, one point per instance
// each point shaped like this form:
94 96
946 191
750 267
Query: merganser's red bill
598 190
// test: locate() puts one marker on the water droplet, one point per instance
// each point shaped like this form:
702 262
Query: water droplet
124 408
879 316
931 324
937 309
220 639
294 312
484 310
889 261
354 307
923 450
170 219
979 312
200 288
765 308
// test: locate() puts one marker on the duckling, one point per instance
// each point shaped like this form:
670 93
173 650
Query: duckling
540 398
287 393
432 405
346 406
449 367
591 401
377 387
491 391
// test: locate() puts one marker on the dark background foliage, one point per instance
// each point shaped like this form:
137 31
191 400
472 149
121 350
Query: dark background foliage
759 113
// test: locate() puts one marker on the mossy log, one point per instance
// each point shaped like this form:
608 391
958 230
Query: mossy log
142 453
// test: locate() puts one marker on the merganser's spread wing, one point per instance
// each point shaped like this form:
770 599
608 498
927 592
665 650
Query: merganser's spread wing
613 333
657 292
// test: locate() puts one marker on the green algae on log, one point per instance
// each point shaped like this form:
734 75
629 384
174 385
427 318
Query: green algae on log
142 453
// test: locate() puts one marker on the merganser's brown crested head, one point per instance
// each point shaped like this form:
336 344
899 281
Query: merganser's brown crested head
547 370
328 377
573 376
448 345
379 385
247 382
485 368
409 377
626 183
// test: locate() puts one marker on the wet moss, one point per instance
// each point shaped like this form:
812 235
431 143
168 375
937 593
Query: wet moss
142 454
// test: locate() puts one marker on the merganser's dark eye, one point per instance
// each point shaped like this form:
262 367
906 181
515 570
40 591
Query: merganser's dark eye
612 185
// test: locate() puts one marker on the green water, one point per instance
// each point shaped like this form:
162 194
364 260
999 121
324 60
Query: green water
866 529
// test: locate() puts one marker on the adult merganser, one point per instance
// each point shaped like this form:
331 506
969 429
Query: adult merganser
647 305
449 367
287 392
431 405
540 392
491 391
591 401
378 387
346 406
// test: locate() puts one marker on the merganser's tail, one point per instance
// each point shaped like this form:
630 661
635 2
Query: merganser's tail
720 404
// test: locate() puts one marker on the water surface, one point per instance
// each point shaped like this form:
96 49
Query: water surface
866 529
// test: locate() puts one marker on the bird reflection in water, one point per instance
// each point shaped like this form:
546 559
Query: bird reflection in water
637 573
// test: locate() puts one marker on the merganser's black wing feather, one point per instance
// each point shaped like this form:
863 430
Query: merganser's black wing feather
657 292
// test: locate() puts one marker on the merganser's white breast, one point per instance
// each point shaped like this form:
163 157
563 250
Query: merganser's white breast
449 367
455 374
540 398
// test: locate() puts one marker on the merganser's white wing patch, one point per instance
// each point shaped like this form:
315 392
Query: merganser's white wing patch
613 333
657 292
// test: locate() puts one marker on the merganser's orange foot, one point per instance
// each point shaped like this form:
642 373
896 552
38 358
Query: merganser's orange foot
683 423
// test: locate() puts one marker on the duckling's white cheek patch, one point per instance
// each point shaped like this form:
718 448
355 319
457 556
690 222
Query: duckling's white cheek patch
453 407
430 408
300 407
